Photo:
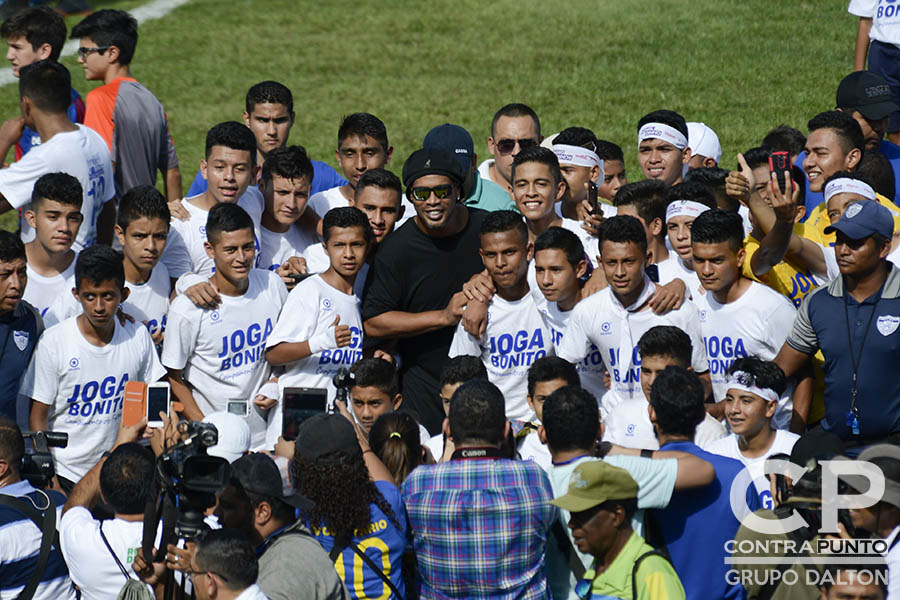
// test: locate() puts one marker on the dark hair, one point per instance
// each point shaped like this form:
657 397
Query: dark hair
677 399
477 413
363 124
548 368
844 126
501 221
717 226
695 192
607 150
538 154
225 217
571 419
11 247
377 373
623 229
128 477
233 135
394 437
832 575
38 25
289 162
228 554
97 264
281 510
629 507
666 117
461 369
876 168
12 444
382 179
269 92
785 138
47 84
711 177
757 157
59 187
557 238
344 217
110 28
516 110
767 373
142 201
647 196
577 136
667 340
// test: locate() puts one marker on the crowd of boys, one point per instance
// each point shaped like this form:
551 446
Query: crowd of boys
594 364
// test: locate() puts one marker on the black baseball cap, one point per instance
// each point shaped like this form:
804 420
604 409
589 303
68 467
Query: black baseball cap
868 93
453 139
326 434
431 161
258 473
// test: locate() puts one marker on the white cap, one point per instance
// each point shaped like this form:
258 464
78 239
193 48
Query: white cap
548 141
234 435
703 141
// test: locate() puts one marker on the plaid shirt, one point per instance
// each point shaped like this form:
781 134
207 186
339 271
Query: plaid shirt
480 528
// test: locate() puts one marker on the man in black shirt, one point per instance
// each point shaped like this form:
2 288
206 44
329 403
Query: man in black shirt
413 289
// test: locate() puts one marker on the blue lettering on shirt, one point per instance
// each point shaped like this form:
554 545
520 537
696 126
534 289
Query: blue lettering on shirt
801 283
722 352
345 356
244 347
517 349
97 397
631 375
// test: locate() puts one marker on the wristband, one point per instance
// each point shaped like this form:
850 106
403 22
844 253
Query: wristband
647 453
324 340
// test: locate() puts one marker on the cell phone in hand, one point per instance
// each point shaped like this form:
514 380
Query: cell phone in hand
158 401
779 162
592 198
299 404
240 408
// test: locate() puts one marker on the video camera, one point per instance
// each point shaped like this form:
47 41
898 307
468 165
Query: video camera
343 380
37 466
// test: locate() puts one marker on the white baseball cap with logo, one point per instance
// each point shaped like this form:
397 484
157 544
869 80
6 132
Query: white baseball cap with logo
234 435
703 141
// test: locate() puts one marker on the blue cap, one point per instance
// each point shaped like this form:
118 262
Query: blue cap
453 139
864 218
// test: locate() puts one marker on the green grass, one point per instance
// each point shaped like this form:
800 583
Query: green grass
741 66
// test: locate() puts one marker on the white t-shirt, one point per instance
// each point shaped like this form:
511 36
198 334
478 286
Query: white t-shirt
628 424
90 564
590 243
783 443
185 253
532 449
84 155
83 385
885 22
674 268
590 369
515 336
892 558
323 201
311 308
744 213
41 292
601 320
756 324
276 248
221 352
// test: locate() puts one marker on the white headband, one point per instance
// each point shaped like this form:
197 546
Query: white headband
662 132
576 155
685 208
844 185
745 382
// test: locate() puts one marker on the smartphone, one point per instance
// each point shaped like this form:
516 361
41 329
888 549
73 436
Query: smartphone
134 403
299 404
240 408
592 198
779 162
158 397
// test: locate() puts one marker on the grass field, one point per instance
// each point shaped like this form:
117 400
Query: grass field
741 66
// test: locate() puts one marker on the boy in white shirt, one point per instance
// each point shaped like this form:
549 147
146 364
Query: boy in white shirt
77 376
545 376
576 149
738 317
614 318
55 215
516 334
754 387
215 357
320 328
456 372
686 201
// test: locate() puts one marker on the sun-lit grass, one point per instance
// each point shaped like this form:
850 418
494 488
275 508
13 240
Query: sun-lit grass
741 66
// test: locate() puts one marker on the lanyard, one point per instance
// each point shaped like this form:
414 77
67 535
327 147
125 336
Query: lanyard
853 413
476 452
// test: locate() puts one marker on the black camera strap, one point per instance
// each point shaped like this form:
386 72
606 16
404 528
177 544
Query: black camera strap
46 522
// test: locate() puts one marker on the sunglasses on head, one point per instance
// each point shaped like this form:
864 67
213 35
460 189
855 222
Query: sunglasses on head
506 146
422 194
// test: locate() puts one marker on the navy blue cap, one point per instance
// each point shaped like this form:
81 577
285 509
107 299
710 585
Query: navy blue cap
429 161
864 218
453 139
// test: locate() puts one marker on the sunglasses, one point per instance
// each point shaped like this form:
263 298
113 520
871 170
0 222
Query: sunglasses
422 194
506 146
85 52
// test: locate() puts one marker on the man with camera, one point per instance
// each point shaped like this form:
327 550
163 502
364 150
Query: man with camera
34 572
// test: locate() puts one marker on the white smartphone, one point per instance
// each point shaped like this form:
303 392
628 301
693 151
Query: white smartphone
240 408
158 400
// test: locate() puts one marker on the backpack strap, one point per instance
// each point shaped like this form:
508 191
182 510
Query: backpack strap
46 522
116 558
637 564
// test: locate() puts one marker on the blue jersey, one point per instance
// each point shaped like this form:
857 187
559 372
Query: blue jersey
383 542
324 178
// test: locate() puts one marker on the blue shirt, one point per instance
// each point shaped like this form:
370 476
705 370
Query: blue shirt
821 324
20 329
324 178
698 522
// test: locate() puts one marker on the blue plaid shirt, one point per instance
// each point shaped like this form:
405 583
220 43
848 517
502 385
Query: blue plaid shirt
480 528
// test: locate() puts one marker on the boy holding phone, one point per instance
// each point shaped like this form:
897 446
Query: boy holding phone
583 170
215 357
320 329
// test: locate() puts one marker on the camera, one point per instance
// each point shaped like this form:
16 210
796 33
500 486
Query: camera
343 380
37 467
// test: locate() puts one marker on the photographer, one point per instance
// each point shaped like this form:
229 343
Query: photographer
224 567
22 538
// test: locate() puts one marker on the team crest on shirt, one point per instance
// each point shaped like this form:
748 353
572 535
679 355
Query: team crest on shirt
73 364
887 324
214 316
21 339
702 316
326 303
606 328
630 429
